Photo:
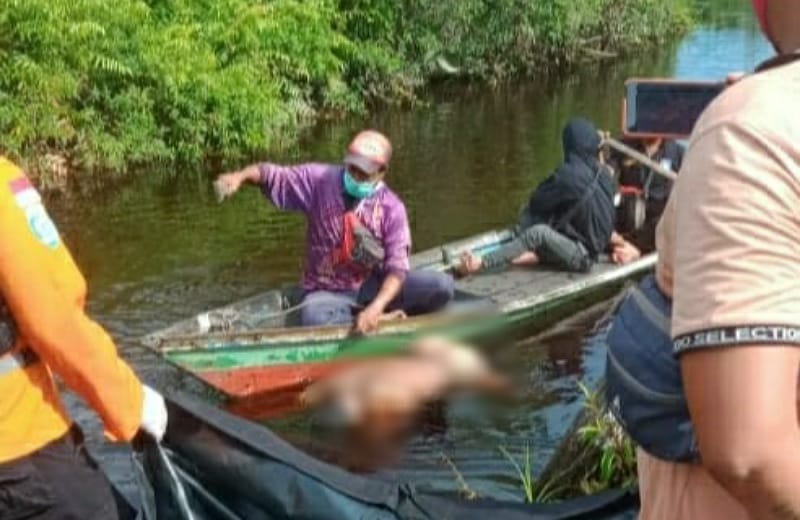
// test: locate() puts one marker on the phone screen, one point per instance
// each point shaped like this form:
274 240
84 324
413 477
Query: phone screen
666 108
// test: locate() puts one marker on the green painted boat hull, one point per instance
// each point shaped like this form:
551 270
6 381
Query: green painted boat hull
266 352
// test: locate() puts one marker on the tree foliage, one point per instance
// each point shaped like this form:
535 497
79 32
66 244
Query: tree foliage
108 86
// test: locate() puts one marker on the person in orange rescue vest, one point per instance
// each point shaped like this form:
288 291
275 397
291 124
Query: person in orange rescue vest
45 472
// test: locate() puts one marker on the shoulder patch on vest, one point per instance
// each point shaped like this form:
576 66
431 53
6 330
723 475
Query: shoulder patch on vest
30 202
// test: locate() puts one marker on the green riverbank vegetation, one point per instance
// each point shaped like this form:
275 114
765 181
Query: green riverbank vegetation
596 456
95 86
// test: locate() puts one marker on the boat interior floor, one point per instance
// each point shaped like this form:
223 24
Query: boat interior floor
282 308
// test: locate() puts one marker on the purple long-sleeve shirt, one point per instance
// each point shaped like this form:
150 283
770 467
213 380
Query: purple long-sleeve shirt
317 190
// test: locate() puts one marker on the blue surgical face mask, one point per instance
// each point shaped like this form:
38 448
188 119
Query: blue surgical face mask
358 190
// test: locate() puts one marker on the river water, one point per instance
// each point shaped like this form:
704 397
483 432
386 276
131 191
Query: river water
160 248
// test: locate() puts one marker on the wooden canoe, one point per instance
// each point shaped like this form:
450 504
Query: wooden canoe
255 347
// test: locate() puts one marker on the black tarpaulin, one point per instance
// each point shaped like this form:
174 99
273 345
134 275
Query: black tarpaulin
213 465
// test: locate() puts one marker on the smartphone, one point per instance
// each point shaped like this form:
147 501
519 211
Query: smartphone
665 107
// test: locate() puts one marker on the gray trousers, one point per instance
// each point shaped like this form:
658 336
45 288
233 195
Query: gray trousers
552 248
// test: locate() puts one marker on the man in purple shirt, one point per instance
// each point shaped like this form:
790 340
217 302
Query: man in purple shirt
357 241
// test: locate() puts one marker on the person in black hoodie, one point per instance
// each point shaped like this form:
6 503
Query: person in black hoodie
569 220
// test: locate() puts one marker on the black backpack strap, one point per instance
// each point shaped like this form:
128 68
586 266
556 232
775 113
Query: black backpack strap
585 196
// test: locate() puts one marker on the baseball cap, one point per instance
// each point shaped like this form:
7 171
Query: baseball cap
369 151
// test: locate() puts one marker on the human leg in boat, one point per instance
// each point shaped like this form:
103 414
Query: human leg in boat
422 292
570 215
538 244
526 259
320 308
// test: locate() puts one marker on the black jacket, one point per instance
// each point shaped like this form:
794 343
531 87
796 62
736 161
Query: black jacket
578 198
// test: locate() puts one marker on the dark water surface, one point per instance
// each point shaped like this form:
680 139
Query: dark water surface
160 248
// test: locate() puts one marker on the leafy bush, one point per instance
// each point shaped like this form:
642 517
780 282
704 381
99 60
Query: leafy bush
596 455
616 452
100 86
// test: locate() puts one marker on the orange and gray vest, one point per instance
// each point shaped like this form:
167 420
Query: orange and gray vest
44 332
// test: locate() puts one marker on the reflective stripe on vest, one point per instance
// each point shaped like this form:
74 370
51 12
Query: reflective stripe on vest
17 361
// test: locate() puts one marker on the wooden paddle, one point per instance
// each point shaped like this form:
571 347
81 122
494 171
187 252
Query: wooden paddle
642 158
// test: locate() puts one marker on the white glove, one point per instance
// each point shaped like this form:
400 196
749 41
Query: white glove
154 413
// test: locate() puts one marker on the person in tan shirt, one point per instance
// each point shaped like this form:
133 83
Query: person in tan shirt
729 279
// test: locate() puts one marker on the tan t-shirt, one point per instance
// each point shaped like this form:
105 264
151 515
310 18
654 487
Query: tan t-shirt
729 254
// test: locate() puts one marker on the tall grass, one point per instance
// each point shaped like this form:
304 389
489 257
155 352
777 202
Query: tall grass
596 455
534 491
615 463
99 86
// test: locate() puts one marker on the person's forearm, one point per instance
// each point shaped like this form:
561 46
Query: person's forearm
770 489
251 174
743 406
389 290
